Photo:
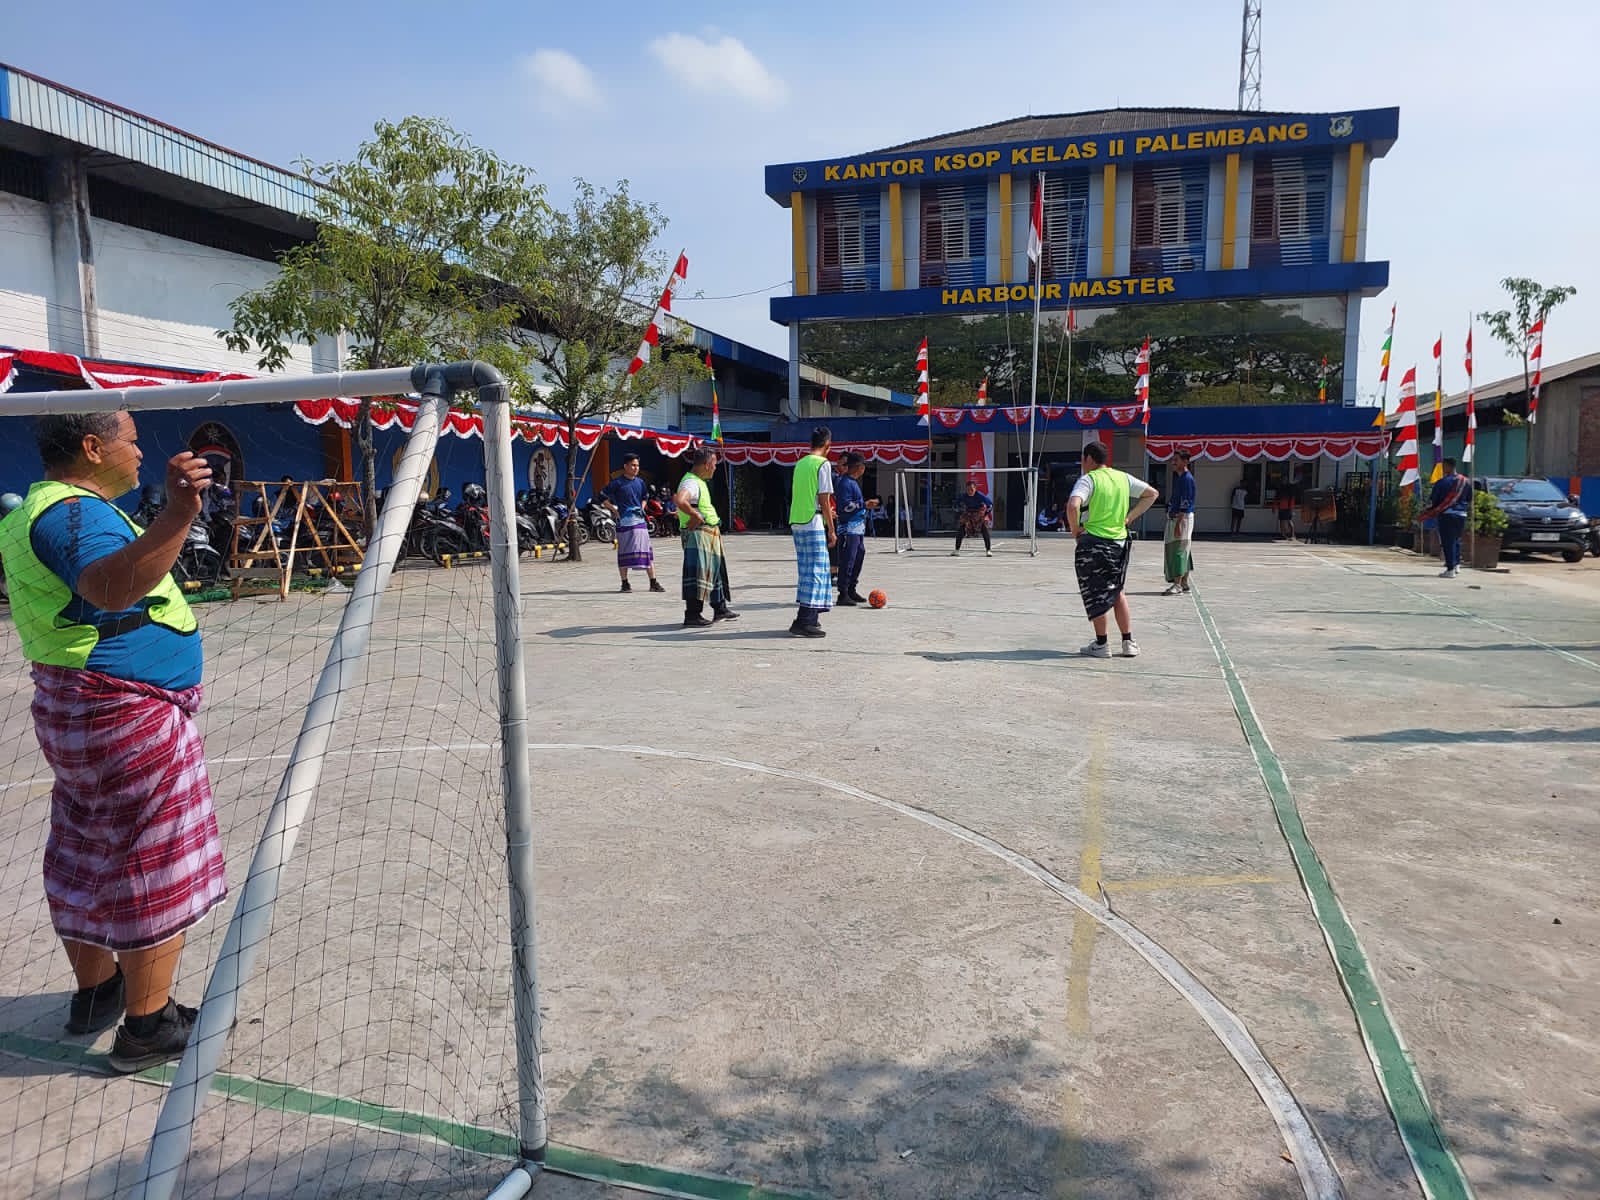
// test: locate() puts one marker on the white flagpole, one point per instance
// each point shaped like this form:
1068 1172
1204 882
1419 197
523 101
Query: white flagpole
1033 394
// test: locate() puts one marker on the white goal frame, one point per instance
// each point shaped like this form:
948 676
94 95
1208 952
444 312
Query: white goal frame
436 385
903 497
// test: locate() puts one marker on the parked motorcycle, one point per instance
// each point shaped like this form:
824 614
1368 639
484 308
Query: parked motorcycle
602 524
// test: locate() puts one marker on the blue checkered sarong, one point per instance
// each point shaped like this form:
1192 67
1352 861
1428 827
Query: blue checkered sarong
815 589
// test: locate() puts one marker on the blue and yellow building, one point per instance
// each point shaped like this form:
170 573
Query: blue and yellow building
1236 242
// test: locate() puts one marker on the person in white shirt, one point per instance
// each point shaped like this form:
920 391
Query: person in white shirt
1241 494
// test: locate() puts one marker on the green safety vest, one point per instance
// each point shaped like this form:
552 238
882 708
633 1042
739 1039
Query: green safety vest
1107 514
803 500
39 597
708 511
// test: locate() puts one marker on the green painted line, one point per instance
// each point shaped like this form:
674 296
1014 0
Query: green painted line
477 1139
1436 1166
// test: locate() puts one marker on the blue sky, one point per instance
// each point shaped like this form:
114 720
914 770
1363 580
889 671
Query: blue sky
1495 172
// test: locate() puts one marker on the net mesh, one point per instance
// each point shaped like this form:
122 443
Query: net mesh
927 512
373 1053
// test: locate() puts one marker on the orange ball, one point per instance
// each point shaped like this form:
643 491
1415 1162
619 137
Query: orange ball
877 599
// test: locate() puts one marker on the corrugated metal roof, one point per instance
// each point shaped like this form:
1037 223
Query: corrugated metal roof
1083 124
78 117
1502 389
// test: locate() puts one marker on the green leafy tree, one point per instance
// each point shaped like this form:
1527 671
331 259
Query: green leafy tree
1531 302
590 278
404 230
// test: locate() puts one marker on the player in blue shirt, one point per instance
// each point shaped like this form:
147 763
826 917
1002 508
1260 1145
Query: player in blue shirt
974 510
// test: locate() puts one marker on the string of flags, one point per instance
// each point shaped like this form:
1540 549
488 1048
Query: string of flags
1141 383
922 382
1406 436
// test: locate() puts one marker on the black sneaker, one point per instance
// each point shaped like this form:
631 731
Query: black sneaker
807 631
655 586
846 601
626 586
696 622
97 1008
724 614
858 597
130 1053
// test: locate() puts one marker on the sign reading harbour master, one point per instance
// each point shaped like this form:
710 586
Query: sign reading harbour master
1080 289
1279 132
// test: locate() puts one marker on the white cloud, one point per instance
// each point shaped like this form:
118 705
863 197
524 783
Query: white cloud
724 66
564 82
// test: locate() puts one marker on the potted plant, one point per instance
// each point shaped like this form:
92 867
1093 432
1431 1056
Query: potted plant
1485 524
1405 520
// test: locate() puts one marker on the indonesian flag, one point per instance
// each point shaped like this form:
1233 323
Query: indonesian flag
1406 437
652 333
716 412
983 391
1036 224
1069 323
1472 411
1438 411
1141 383
922 382
1383 375
1535 360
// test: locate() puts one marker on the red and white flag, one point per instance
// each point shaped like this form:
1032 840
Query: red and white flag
1406 433
1472 411
983 391
1141 383
1069 323
922 381
652 333
1535 360
1036 224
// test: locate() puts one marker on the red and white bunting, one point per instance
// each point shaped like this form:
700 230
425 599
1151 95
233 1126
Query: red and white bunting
1036 223
1141 383
652 333
1410 469
767 454
922 379
1472 408
1254 448
1536 360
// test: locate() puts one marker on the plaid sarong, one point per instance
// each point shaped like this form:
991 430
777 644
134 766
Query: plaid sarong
704 569
1176 562
1102 565
134 856
815 587
634 551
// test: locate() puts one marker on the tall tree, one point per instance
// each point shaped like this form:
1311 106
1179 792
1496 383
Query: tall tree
590 277
403 230
1531 302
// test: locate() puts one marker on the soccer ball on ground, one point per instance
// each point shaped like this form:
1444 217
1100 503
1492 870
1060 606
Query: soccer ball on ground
877 598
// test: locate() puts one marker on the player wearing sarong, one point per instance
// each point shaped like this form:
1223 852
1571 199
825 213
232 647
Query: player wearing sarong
705 571
134 857
974 511
811 523
625 497
1176 561
1098 513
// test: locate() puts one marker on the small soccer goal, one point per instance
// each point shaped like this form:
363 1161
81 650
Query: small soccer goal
927 516
370 1022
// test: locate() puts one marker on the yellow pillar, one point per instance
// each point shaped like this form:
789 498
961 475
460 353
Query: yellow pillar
1005 230
1230 211
897 240
1108 229
1352 201
802 272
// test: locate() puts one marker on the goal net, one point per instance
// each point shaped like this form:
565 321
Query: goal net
369 1024
928 510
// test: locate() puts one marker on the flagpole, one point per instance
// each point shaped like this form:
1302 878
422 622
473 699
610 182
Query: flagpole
1383 424
1032 507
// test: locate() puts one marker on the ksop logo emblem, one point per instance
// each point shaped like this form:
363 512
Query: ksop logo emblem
1341 126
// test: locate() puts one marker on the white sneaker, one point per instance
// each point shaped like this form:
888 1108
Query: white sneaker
1096 650
988 553
955 554
1172 590
1130 649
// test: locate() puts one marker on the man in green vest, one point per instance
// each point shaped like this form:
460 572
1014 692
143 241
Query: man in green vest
134 857
705 571
811 522
1098 513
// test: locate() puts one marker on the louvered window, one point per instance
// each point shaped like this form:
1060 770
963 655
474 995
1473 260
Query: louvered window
1066 225
954 228
1290 200
847 241
1169 219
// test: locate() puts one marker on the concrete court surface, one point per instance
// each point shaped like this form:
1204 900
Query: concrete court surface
752 968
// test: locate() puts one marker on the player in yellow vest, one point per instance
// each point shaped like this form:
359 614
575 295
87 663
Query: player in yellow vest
811 523
134 856
1099 515
705 571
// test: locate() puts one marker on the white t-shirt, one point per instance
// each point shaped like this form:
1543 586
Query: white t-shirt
1084 488
690 488
824 488
1239 497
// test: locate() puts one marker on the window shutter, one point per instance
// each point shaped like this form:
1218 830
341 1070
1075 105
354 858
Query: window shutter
1290 211
954 233
848 225
1169 219
1066 225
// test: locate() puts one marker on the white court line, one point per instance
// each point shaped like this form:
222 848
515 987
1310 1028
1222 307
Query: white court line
1318 1177
1460 612
360 751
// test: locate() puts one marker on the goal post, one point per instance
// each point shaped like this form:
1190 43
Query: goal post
250 925
910 493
